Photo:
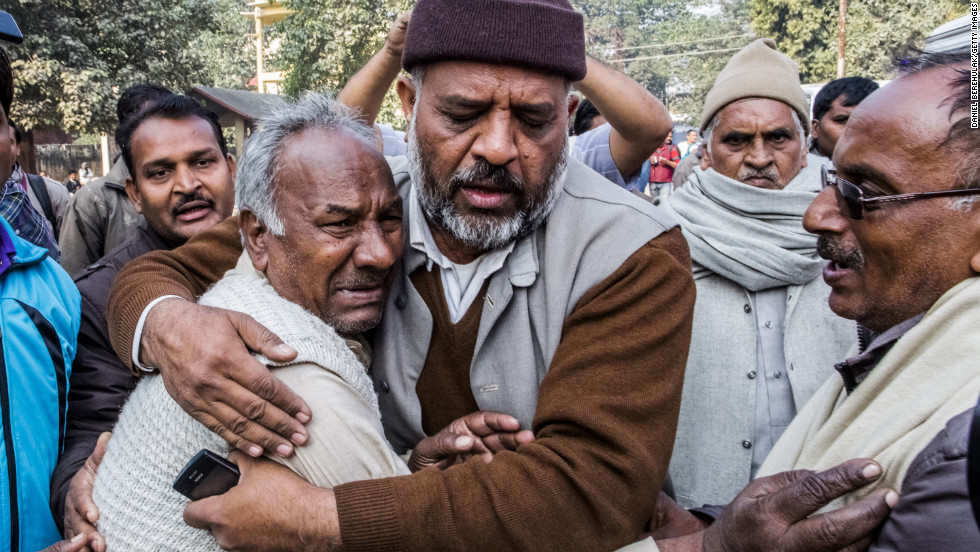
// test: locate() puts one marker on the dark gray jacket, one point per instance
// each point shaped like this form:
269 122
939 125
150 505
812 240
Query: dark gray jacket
934 511
100 383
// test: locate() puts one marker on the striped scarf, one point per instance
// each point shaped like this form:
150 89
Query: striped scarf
27 223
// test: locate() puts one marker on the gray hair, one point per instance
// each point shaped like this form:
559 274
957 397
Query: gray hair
259 165
714 124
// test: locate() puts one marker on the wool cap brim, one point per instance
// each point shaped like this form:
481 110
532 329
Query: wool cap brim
541 34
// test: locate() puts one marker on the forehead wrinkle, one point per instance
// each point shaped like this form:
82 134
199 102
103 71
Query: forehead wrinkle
484 84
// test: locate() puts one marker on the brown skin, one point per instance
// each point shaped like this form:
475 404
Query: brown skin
899 259
508 116
14 147
183 183
775 513
6 161
342 218
826 130
81 514
756 142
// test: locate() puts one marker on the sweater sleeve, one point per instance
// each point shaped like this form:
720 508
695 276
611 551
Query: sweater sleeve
347 442
604 425
186 271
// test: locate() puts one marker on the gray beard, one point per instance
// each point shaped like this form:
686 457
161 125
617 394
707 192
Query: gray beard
481 232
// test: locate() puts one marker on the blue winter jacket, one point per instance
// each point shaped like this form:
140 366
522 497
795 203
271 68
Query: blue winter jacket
40 311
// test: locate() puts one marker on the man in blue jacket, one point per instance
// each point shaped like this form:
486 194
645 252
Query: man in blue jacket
39 318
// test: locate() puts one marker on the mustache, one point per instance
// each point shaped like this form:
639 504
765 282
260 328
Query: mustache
769 174
366 278
482 173
188 198
839 253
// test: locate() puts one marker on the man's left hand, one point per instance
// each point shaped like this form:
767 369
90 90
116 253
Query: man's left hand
482 433
271 508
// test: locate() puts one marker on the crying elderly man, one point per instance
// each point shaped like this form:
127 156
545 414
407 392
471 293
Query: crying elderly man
321 224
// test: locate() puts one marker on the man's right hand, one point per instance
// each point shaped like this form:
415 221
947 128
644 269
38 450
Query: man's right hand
203 355
395 43
774 513
81 513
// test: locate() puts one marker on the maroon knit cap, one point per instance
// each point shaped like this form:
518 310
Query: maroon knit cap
543 34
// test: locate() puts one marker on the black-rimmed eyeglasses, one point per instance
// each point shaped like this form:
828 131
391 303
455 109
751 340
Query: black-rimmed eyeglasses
852 203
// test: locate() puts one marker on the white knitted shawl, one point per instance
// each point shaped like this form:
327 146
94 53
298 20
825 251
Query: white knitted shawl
154 437
247 290
928 376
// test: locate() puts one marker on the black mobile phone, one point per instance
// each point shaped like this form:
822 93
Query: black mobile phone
207 474
9 30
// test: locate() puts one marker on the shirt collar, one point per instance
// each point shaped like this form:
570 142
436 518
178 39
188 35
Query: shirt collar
855 369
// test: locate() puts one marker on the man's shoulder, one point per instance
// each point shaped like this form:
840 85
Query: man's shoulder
101 188
933 511
98 276
950 444
587 194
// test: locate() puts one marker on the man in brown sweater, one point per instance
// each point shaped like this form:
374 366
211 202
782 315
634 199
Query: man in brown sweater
522 277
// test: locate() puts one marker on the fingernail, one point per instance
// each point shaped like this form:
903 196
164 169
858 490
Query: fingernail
78 538
891 498
284 349
464 441
284 450
298 438
255 451
303 417
871 471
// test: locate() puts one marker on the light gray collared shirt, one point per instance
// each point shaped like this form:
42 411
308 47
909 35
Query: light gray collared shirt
774 406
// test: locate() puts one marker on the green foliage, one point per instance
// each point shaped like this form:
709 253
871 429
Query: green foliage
324 42
615 30
806 30
78 55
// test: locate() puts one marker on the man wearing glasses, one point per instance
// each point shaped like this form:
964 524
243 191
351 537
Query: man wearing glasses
904 262
904 256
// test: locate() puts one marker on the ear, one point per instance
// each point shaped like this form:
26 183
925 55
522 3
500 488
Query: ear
803 156
573 101
406 93
232 165
256 237
705 158
134 194
975 259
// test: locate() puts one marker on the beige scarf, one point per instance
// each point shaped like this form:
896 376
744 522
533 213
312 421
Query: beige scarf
930 375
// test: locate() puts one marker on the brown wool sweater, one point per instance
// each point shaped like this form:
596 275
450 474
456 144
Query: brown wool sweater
604 425
444 384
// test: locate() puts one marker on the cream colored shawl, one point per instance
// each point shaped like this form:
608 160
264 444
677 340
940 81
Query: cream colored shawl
930 375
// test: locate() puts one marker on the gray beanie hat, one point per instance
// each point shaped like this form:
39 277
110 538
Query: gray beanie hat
758 71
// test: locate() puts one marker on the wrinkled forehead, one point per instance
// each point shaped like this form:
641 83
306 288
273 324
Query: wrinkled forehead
908 116
493 82
755 116
332 163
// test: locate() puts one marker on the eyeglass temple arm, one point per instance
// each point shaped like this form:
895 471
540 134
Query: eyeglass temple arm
919 195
